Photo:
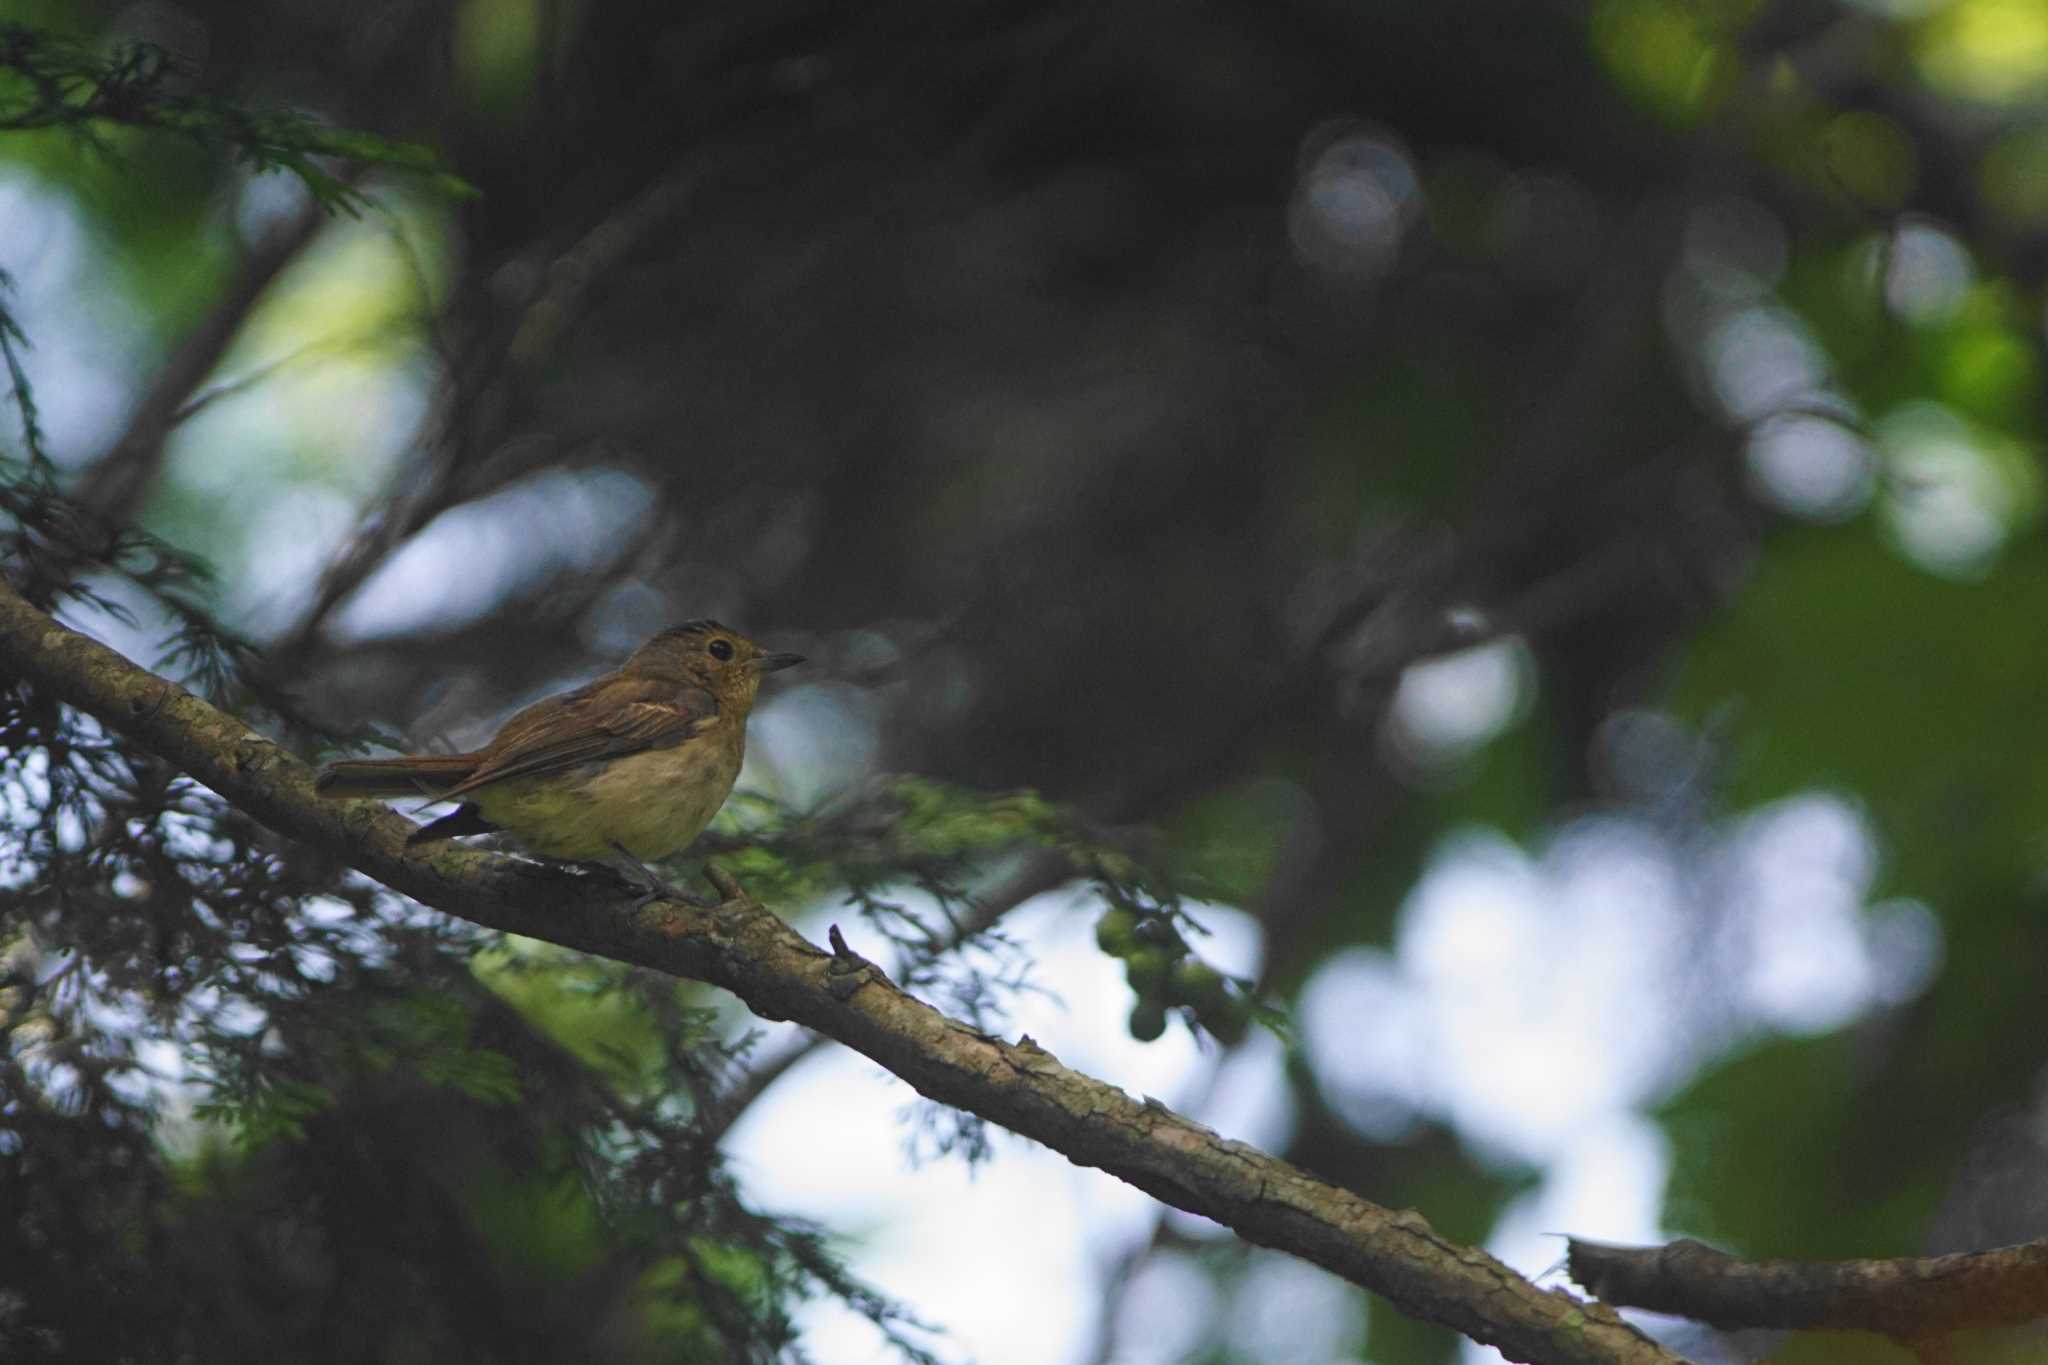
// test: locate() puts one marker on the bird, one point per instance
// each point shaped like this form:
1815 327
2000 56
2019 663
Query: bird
631 765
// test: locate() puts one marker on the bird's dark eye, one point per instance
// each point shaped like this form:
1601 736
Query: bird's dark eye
720 649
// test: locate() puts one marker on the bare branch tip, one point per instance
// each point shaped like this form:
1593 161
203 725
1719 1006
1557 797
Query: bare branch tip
727 885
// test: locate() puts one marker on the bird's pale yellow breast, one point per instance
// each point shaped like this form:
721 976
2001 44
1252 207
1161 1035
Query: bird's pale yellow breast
652 803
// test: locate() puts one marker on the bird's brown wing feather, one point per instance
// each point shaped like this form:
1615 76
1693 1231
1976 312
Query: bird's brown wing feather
609 718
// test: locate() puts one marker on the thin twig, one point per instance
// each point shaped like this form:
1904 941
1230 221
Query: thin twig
113 489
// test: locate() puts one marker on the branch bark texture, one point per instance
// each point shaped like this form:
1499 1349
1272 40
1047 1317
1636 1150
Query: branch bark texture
1910 1299
742 947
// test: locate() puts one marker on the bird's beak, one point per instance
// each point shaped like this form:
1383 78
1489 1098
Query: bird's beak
770 663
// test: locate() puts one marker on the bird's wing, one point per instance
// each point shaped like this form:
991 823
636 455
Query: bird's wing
609 718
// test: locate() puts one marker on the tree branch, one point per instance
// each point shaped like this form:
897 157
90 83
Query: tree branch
115 487
1042 872
742 947
486 393
1910 1299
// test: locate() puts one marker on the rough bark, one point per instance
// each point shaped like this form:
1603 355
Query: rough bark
1910 1298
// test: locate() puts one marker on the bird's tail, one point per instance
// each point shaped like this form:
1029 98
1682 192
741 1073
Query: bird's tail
414 775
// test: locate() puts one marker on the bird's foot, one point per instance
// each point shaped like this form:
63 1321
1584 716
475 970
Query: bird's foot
647 884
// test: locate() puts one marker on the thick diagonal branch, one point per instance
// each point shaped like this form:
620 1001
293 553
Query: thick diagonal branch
743 948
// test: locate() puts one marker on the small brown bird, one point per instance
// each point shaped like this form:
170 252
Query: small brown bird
635 762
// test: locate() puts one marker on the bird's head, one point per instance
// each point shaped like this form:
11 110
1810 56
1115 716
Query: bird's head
713 656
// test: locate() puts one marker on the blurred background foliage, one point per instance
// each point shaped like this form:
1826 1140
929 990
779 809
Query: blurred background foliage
1532 511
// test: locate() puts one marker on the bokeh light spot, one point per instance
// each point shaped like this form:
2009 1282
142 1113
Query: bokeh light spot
1355 198
1990 50
1810 467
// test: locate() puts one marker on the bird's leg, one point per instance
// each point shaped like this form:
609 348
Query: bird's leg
647 882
